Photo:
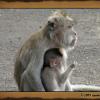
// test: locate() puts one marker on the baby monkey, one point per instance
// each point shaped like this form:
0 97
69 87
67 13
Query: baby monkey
55 72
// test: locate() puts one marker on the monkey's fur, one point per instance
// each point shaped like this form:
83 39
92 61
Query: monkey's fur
57 33
53 74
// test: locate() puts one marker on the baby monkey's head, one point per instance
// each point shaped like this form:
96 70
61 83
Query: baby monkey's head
52 58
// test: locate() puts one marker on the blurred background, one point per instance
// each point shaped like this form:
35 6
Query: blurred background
17 25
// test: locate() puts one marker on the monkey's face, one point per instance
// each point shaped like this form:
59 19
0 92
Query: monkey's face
61 30
55 62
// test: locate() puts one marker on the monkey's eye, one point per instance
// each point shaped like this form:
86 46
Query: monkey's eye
51 24
69 26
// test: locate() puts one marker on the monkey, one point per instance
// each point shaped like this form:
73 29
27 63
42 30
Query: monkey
52 74
54 78
51 71
58 32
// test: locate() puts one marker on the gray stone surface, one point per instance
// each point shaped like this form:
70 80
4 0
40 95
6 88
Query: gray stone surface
16 25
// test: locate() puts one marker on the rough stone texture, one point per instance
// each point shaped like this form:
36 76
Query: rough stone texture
16 25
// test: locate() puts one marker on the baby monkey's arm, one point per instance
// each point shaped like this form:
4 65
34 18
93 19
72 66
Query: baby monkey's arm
66 74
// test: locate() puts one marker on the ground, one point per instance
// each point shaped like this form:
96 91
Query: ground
17 25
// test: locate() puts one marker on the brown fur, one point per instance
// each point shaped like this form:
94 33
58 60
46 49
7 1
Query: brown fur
29 60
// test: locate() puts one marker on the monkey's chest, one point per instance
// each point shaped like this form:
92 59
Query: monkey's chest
58 73
60 70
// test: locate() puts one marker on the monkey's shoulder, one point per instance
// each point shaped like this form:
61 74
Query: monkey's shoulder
31 42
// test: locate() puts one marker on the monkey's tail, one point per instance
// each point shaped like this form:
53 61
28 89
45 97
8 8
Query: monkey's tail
81 87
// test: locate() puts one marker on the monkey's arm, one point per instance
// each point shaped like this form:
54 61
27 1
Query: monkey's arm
66 74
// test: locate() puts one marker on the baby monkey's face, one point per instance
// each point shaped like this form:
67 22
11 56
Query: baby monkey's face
55 62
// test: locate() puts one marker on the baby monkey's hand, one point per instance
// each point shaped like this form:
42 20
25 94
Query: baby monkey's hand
73 65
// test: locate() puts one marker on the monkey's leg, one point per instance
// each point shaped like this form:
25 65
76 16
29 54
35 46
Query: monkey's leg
33 73
30 80
24 83
29 83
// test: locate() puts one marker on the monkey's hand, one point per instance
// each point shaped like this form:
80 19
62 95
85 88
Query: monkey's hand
73 65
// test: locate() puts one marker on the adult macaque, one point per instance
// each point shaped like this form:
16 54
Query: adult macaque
55 72
57 33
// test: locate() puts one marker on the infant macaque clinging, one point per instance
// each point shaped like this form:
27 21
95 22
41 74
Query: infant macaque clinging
55 73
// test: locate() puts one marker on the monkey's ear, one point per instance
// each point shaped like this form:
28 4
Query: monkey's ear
69 18
61 12
71 21
58 12
53 11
